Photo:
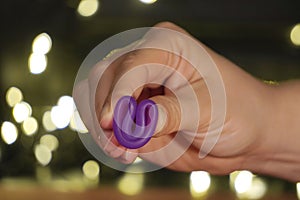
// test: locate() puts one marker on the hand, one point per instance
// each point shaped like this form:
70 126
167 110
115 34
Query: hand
141 74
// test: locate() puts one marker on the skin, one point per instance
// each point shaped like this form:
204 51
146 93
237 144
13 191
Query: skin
261 129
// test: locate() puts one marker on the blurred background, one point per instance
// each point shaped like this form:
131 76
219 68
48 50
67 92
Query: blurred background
43 43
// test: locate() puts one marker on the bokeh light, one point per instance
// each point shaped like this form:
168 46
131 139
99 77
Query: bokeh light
131 183
199 183
298 190
9 132
91 169
295 35
42 154
47 122
22 111
42 44
68 103
30 126
87 8
37 63
60 117
13 96
76 123
50 141
148 1
247 185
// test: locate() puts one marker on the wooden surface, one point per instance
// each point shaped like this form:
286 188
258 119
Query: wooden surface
110 193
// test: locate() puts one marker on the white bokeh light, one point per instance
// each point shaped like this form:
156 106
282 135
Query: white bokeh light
30 126
42 44
199 183
87 8
37 63
9 132
22 111
13 96
42 154
148 1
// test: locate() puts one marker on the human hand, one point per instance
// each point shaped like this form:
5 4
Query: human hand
186 99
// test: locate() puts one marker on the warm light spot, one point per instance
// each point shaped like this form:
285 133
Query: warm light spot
243 181
13 96
91 169
37 63
298 190
199 183
67 103
60 117
49 141
131 184
87 8
295 35
42 44
9 132
47 122
257 190
76 123
42 154
148 1
21 111
30 126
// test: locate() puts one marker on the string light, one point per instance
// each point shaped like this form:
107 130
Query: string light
47 122
9 132
37 63
50 141
42 154
13 96
131 183
91 169
298 190
30 126
87 8
42 44
199 183
22 111
148 1
295 35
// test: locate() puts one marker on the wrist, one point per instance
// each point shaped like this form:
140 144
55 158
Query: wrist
278 151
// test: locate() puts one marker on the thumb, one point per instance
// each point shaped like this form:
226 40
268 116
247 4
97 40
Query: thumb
169 115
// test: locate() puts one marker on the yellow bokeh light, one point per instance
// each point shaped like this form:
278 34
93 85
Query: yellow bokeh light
76 123
42 44
37 63
87 8
9 132
148 1
91 169
42 154
199 183
243 181
49 141
47 122
131 184
21 111
295 35
13 96
30 126
298 190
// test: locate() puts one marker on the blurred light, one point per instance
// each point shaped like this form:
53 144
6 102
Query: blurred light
131 184
67 103
257 190
9 132
37 63
148 1
42 154
298 190
243 181
87 8
199 183
91 169
137 160
50 141
13 96
47 122
42 44
60 117
30 126
21 111
76 123
295 35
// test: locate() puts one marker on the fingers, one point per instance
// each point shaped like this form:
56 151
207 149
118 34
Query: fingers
169 115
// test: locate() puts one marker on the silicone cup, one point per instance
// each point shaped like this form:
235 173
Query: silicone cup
133 124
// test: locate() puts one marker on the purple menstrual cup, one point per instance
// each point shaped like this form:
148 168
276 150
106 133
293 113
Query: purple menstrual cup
133 124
